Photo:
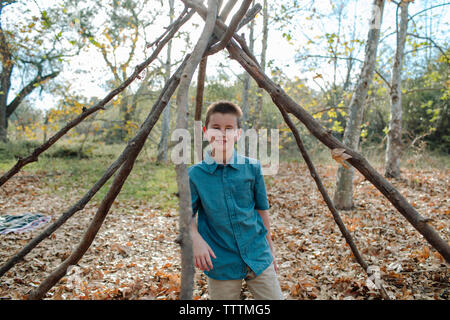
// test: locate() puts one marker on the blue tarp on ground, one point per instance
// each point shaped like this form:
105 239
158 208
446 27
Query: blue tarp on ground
21 222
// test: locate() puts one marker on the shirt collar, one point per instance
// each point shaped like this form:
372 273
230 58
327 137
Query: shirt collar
211 164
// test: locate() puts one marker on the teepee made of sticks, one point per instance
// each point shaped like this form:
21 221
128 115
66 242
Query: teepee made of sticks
216 36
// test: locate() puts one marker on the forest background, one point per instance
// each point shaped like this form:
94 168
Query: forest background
63 56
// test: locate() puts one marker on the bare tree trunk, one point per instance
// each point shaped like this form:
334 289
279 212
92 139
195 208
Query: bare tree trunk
185 207
5 81
246 90
163 145
394 142
259 103
281 99
136 145
198 142
343 197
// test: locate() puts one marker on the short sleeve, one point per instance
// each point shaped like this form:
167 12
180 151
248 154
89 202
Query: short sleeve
261 201
194 197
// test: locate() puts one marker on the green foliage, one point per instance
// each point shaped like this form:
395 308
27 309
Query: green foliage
425 106
72 151
12 150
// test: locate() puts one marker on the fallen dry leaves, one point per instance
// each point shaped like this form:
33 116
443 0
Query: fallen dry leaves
134 256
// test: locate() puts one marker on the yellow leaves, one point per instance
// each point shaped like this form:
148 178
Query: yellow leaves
332 114
108 36
340 156
318 75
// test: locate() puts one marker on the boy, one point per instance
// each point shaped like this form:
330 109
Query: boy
232 240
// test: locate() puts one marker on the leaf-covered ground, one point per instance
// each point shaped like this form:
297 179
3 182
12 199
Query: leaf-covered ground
134 256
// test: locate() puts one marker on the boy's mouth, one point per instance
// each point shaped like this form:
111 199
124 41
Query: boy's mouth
221 141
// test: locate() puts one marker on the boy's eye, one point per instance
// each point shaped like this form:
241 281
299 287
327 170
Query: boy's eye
217 130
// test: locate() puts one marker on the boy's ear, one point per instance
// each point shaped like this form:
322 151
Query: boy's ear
238 135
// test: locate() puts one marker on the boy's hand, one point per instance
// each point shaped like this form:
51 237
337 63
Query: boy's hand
202 253
275 266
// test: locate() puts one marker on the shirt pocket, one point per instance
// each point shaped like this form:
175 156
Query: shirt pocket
243 194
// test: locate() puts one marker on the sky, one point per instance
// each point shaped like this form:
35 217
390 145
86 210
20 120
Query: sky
87 72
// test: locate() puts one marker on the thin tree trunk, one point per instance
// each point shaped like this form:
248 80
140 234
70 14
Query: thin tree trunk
394 142
136 145
246 91
198 141
281 99
185 220
5 81
200 88
163 145
343 197
260 92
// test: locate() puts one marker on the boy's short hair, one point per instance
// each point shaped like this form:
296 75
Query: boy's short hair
224 107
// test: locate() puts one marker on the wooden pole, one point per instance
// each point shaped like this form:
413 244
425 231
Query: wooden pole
185 206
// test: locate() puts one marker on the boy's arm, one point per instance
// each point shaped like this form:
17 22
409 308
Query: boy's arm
202 251
266 220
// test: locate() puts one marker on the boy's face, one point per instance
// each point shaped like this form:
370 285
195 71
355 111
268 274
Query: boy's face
222 131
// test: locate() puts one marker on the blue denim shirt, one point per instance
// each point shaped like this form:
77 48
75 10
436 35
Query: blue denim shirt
226 198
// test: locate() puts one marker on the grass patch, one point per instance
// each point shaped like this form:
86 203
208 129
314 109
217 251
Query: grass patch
70 177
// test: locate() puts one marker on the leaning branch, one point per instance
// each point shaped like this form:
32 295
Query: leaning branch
231 28
27 90
227 9
79 205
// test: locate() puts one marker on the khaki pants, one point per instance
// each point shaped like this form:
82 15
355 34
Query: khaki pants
263 287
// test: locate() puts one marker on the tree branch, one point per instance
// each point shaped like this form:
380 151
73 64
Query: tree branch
27 90
231 28
227 9
432 41
353 59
